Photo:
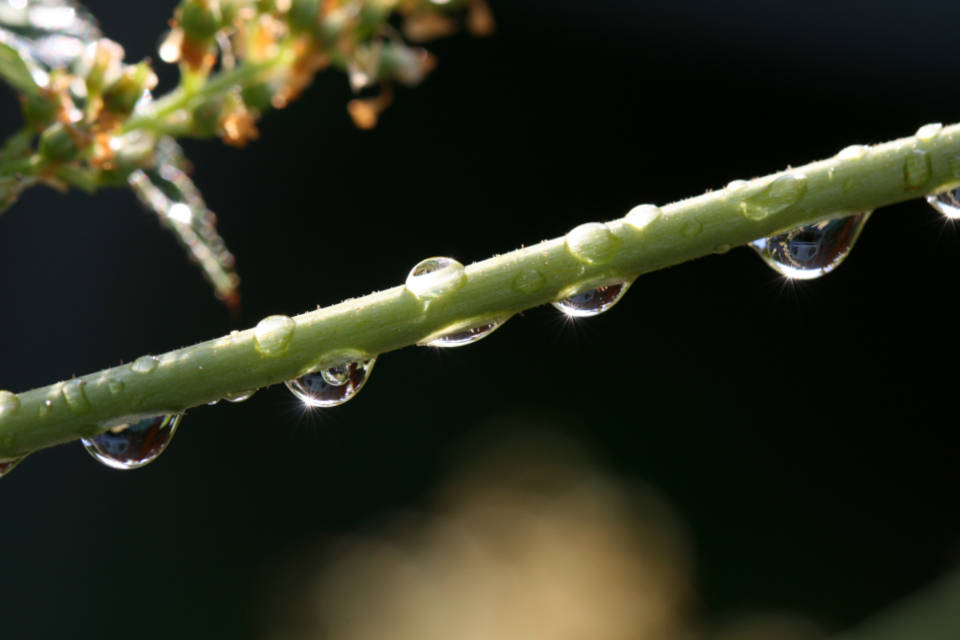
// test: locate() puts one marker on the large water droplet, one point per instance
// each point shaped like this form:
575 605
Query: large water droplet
929 132
593 301
75 395
272 335
813 250
783 192
852 152
592 243
130 446
6 466
334 385
144 364
642 215
9 403
435 277
947 203
917 169
463 335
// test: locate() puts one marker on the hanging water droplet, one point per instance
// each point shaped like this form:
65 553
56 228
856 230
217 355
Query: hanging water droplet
592 243
6 466
463 335
334 385
947 203
641 216
783 192
9 403
435 277
272 335
928 132
239 396
75 395
917 169
529 281
813 250
130 446
593 301
144 364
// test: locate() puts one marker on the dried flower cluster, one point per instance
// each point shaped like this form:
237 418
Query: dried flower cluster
91 119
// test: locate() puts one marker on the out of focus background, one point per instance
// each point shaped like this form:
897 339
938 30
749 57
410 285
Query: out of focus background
722 454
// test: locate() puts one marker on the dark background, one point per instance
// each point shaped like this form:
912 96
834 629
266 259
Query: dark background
804 433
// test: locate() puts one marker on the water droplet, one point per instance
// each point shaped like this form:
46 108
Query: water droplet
272 335
736 185
435 277
6 466
239 396
115 386
45 408
529 281
917 169
947 203
9 403
464 334
593 301
783 192
813 250
144 364
852 152
592 243
75 396
642 215
691 228
334 385
929 132
130 446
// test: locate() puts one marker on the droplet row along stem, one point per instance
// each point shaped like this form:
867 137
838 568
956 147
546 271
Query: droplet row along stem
494 289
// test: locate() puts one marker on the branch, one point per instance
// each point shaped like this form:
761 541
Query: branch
281 348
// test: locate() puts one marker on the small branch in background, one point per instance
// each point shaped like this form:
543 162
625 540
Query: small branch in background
91 120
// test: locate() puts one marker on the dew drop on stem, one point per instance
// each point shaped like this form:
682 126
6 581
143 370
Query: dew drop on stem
332 385
812 250
133 445
9 403
592 301
946 203
435 277
463 335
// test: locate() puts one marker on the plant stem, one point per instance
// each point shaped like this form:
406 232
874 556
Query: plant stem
498 287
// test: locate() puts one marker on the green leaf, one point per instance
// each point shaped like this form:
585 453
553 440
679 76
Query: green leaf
15 71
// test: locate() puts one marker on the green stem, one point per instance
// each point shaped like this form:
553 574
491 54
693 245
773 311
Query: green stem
495 288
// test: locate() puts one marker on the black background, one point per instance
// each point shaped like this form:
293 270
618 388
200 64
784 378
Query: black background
803 432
